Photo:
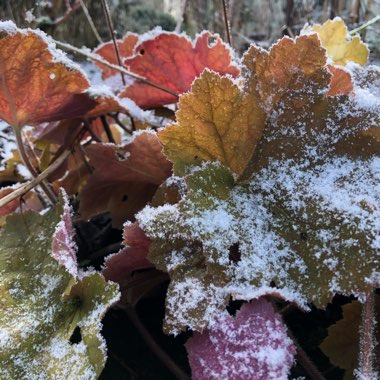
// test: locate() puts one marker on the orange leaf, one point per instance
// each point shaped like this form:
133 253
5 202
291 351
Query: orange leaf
341 82
107 51
173 61
216 122
124 178
38 83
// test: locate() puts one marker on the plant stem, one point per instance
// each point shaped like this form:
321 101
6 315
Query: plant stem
112 32
107 129
162 355
227 25
366 368
25 159
365 25
97 58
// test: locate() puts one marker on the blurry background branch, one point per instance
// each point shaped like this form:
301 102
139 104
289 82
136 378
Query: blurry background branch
260 21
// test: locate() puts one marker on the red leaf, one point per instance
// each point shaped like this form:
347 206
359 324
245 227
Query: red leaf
107 51
120 265
38 83
173 61
124 178
28 201
253 345
340 82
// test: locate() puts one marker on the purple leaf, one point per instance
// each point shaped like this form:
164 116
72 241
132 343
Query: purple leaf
253 345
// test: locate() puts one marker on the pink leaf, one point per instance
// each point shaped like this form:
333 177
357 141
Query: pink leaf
253 345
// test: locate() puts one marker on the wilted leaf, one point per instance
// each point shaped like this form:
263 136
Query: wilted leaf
216 122
173 61
107 51
340 46
253 345
124 178
38 83
43 301
341 82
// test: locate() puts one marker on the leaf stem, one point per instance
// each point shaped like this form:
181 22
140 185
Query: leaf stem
25 159
107 129
97 58
162 355
112 32
366 368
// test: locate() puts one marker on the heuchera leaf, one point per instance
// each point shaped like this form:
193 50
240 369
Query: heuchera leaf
43 301
216 122
173 61
107 51
38 83
252 345
119 267
340 46
303 216
124 178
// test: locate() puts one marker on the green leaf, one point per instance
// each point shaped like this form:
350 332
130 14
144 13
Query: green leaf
44 297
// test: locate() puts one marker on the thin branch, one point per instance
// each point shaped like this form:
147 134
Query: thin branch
365 25
97 58
367 356
35 181
25 159
227 25
90 21
107 129
113 36
70 9
162 355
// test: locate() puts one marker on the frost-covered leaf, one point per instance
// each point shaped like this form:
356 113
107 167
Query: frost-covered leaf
107 51
38 82
304 214
173 61
216 122
340 46
342 343
44 300
252 345
341 81
124 178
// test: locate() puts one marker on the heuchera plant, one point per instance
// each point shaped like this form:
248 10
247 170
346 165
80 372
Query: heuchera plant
262 188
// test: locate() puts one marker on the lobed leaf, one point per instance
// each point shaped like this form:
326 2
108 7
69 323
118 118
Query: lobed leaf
253 345
173 62
45 298
340 46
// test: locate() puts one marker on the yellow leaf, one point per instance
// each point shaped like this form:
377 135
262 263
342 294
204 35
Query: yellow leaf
340 46
216 122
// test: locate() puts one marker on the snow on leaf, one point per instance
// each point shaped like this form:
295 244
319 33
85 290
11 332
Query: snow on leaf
36 86
42 302
107 51
216 122
124 178
304 214
340 46
173 61
252 345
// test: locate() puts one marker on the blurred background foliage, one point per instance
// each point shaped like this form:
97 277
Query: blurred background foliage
259 21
